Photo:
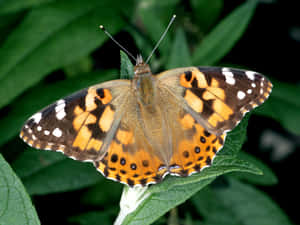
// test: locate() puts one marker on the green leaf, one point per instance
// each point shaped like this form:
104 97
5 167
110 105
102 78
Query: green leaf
206 12
21 110
106 192
53 36
93 217
7 23
223 37
9 6
208 206
249 205
268 177
173 191
283 106
179 55
31 161
47 173
15 204
127 70
233 145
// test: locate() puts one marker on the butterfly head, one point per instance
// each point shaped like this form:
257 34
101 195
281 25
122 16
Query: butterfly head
141 68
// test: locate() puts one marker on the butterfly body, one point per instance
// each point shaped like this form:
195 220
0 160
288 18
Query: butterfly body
137 131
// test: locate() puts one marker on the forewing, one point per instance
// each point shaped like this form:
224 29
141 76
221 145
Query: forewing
216 97
80 124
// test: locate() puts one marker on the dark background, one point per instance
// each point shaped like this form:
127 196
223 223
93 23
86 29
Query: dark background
271 46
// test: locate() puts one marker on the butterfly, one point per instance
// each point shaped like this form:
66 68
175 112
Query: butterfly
137 131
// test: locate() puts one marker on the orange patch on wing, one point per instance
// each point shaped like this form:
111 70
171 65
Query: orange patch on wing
92 95
266 94
222 109
193 101
125 137
78 110
94 144
90 119
217 92
79 120
183 82
214 83
106 119
187 121
90 104
207 95
202 83
214 119
82 138
107 96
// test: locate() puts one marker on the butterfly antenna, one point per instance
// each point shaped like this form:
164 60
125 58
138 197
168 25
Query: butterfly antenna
114 40
161 38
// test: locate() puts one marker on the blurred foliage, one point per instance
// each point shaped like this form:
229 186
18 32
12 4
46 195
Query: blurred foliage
48 51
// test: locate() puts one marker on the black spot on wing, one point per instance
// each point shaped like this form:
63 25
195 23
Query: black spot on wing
188 75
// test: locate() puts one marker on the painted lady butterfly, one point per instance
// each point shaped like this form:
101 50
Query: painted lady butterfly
137 131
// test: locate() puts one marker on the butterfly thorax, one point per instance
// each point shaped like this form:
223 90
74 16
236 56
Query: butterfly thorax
144 85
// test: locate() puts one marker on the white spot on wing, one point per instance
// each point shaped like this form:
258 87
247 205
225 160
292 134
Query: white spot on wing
39 128
60 105
60 109
241 95
225 69
57 132
253 85
249 91
261 91
250 75
61 114
37 117
229 77
46 132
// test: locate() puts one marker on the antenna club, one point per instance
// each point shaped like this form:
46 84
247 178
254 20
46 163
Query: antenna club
174 16
101 27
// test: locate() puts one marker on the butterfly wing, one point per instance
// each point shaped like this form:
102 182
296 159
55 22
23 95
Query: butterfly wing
100 124
216 97
79 125
205 103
